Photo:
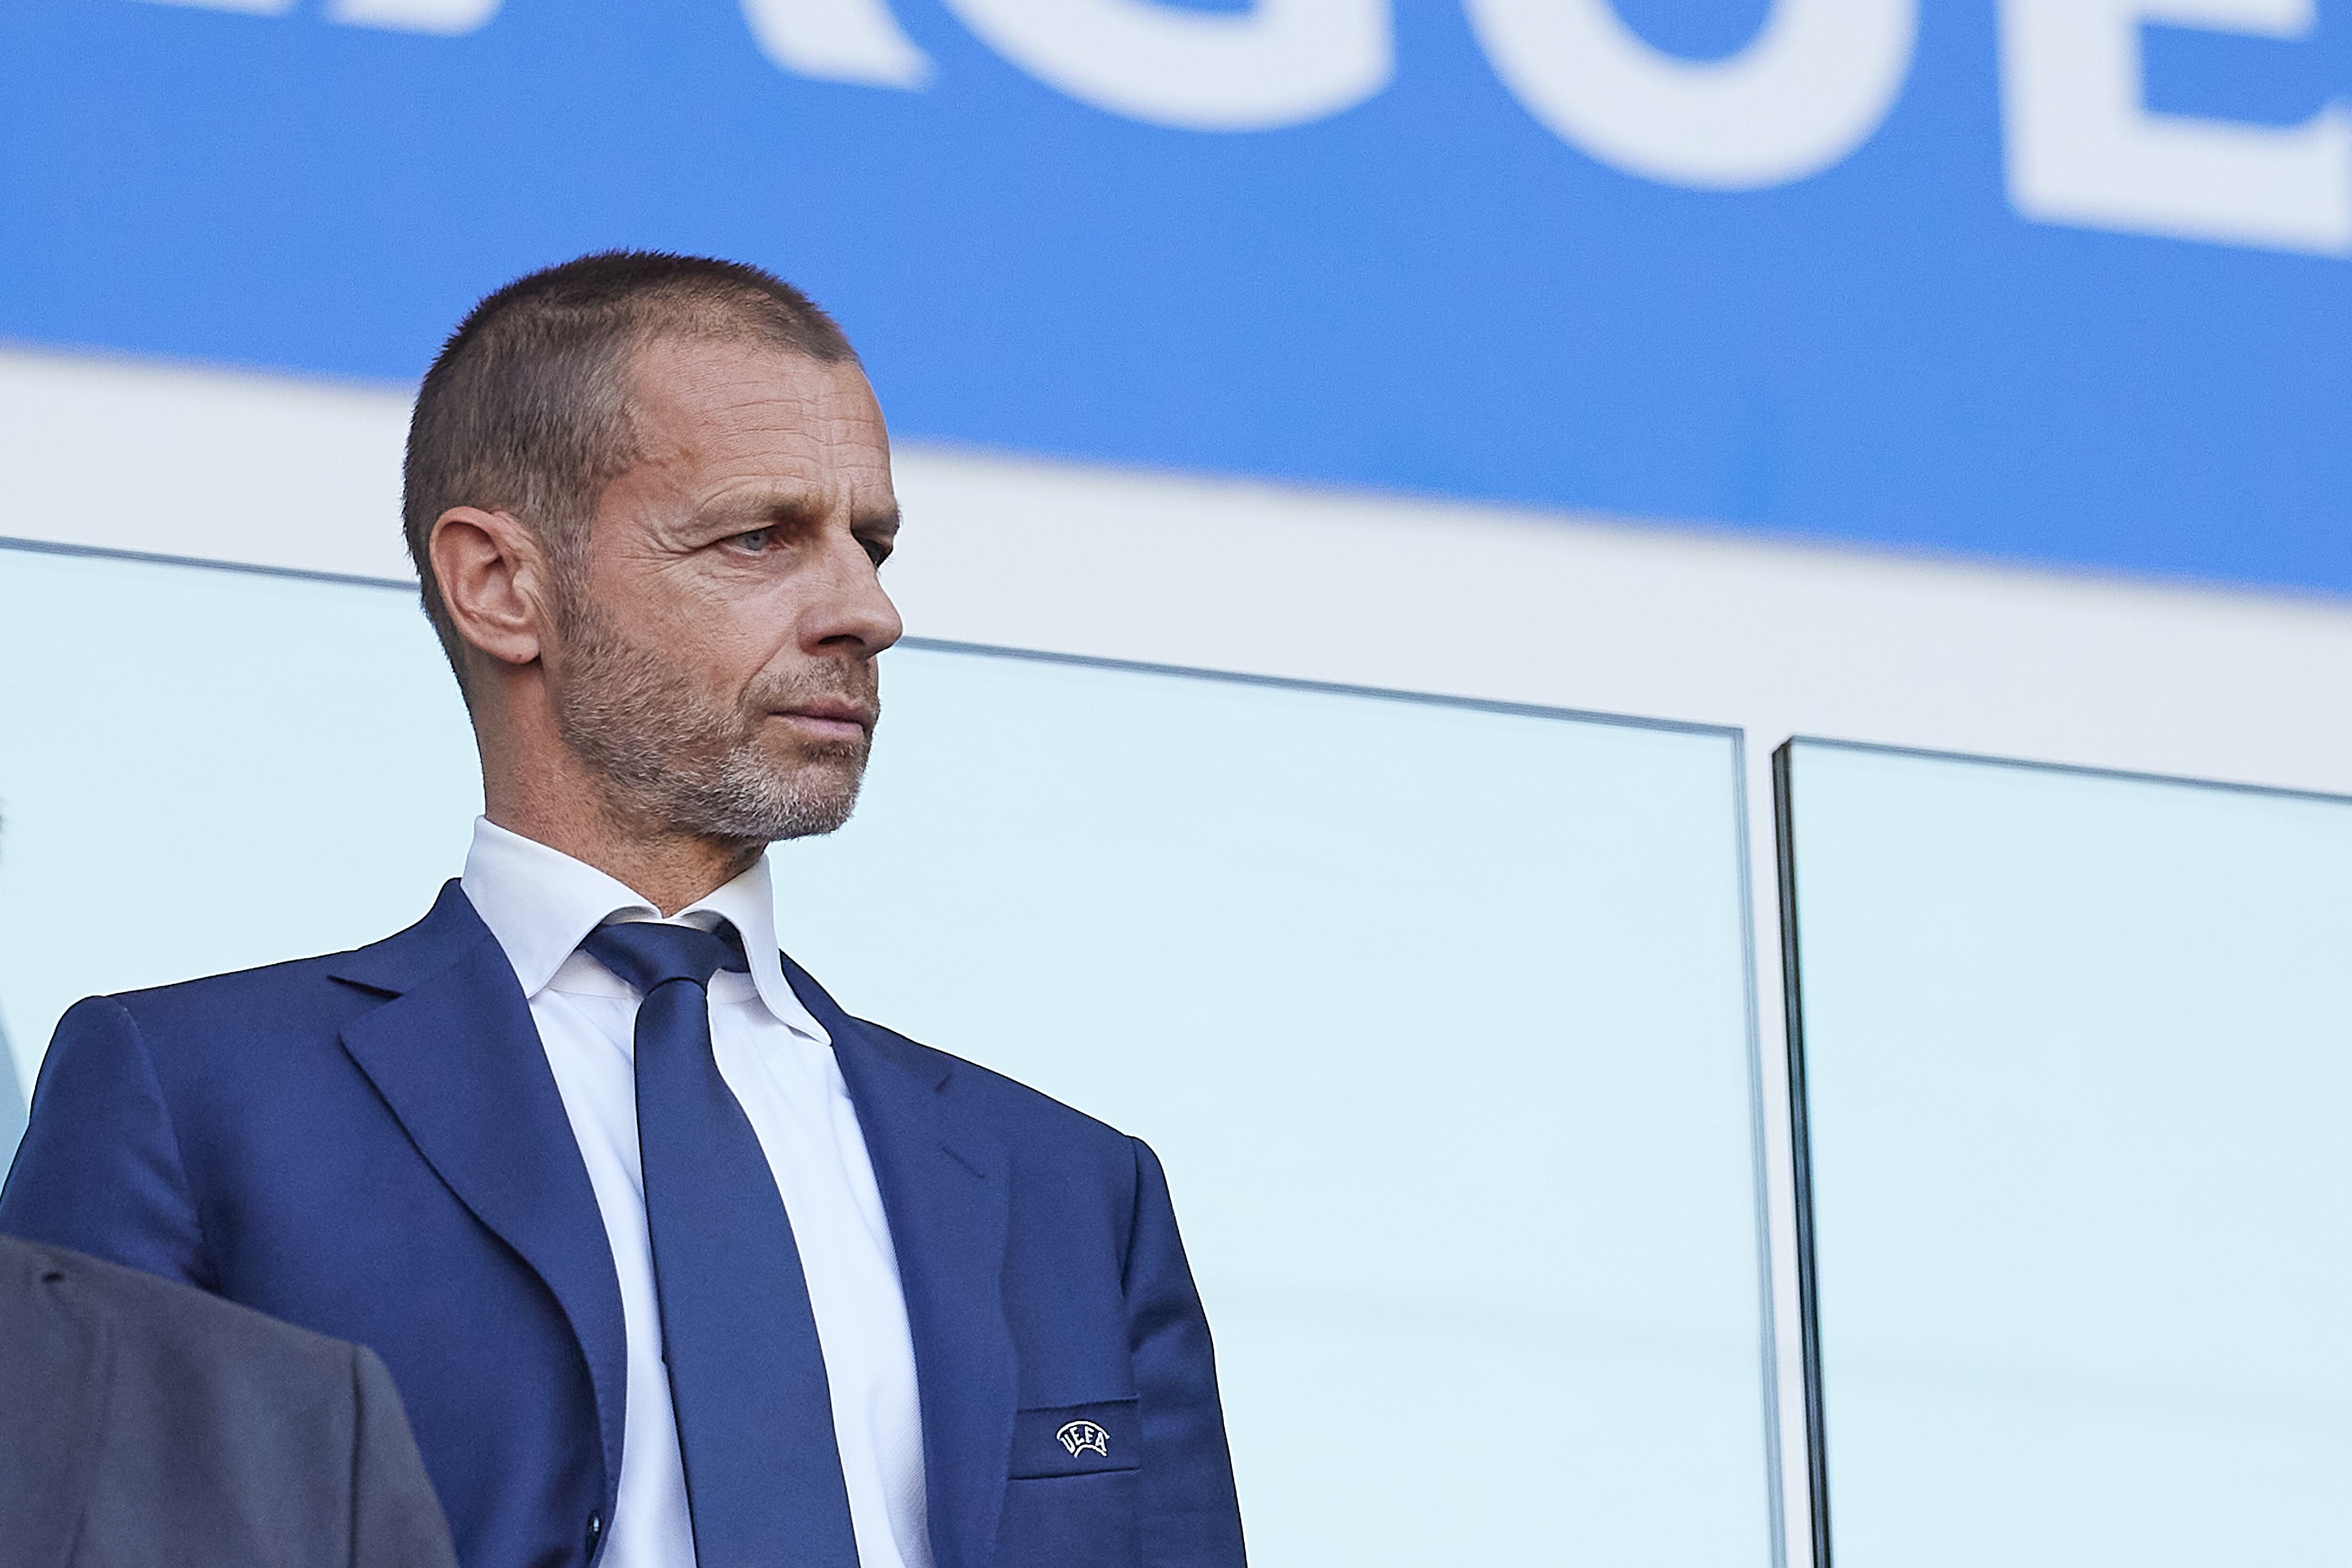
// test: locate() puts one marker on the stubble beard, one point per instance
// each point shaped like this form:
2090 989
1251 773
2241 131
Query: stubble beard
673 757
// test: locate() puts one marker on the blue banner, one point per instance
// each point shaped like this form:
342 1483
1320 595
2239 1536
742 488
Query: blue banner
2056 279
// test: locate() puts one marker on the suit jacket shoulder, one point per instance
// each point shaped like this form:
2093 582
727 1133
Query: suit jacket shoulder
144 1421
308 998
1007 1104
1057 1153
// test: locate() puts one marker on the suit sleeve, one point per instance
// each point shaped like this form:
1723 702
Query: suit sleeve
1192 1518
396 1521
100 1169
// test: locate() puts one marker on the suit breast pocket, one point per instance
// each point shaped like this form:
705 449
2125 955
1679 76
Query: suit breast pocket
1076 1440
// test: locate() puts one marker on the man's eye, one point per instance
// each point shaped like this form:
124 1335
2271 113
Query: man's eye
755 541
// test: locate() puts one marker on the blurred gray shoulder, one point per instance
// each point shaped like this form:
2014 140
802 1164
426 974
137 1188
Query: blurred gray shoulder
147 1316
222 1439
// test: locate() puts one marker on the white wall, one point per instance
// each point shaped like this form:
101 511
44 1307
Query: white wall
1651 618
1655 618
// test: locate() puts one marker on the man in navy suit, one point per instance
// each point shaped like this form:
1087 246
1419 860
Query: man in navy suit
672 1261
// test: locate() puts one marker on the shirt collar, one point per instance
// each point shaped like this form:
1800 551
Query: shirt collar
541 904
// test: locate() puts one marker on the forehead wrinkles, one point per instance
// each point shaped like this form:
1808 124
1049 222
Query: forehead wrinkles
733 410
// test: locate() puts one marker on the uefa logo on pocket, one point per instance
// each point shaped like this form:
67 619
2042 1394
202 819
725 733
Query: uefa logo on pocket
1082 1436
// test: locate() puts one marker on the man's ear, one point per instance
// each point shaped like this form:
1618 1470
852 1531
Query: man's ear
493 575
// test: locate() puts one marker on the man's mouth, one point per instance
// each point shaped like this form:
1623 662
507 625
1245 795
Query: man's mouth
838 719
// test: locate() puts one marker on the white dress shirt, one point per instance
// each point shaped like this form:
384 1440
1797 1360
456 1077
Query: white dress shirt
540 904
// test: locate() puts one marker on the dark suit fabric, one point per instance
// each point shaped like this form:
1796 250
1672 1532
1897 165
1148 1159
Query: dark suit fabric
372 1145
144 1423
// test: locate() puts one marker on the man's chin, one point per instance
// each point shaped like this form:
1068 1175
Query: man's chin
816 795
812 819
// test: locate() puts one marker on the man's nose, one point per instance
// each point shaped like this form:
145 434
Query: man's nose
852 613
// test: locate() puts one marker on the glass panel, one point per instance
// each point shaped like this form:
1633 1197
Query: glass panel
2078 1051
204 770
1439 1014
1440 1019
12 1099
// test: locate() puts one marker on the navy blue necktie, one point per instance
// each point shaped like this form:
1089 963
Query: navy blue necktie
746 1373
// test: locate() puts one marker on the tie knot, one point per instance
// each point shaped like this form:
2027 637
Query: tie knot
647 954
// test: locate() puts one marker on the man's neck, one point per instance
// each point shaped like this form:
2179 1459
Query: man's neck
535 785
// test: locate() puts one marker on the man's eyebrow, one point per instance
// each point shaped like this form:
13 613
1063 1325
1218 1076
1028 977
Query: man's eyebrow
748 511
761 509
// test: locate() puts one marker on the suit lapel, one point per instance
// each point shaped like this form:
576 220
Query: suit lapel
945 1183
456 1057
56 1369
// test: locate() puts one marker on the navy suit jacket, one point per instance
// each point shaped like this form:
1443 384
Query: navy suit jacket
370 1145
